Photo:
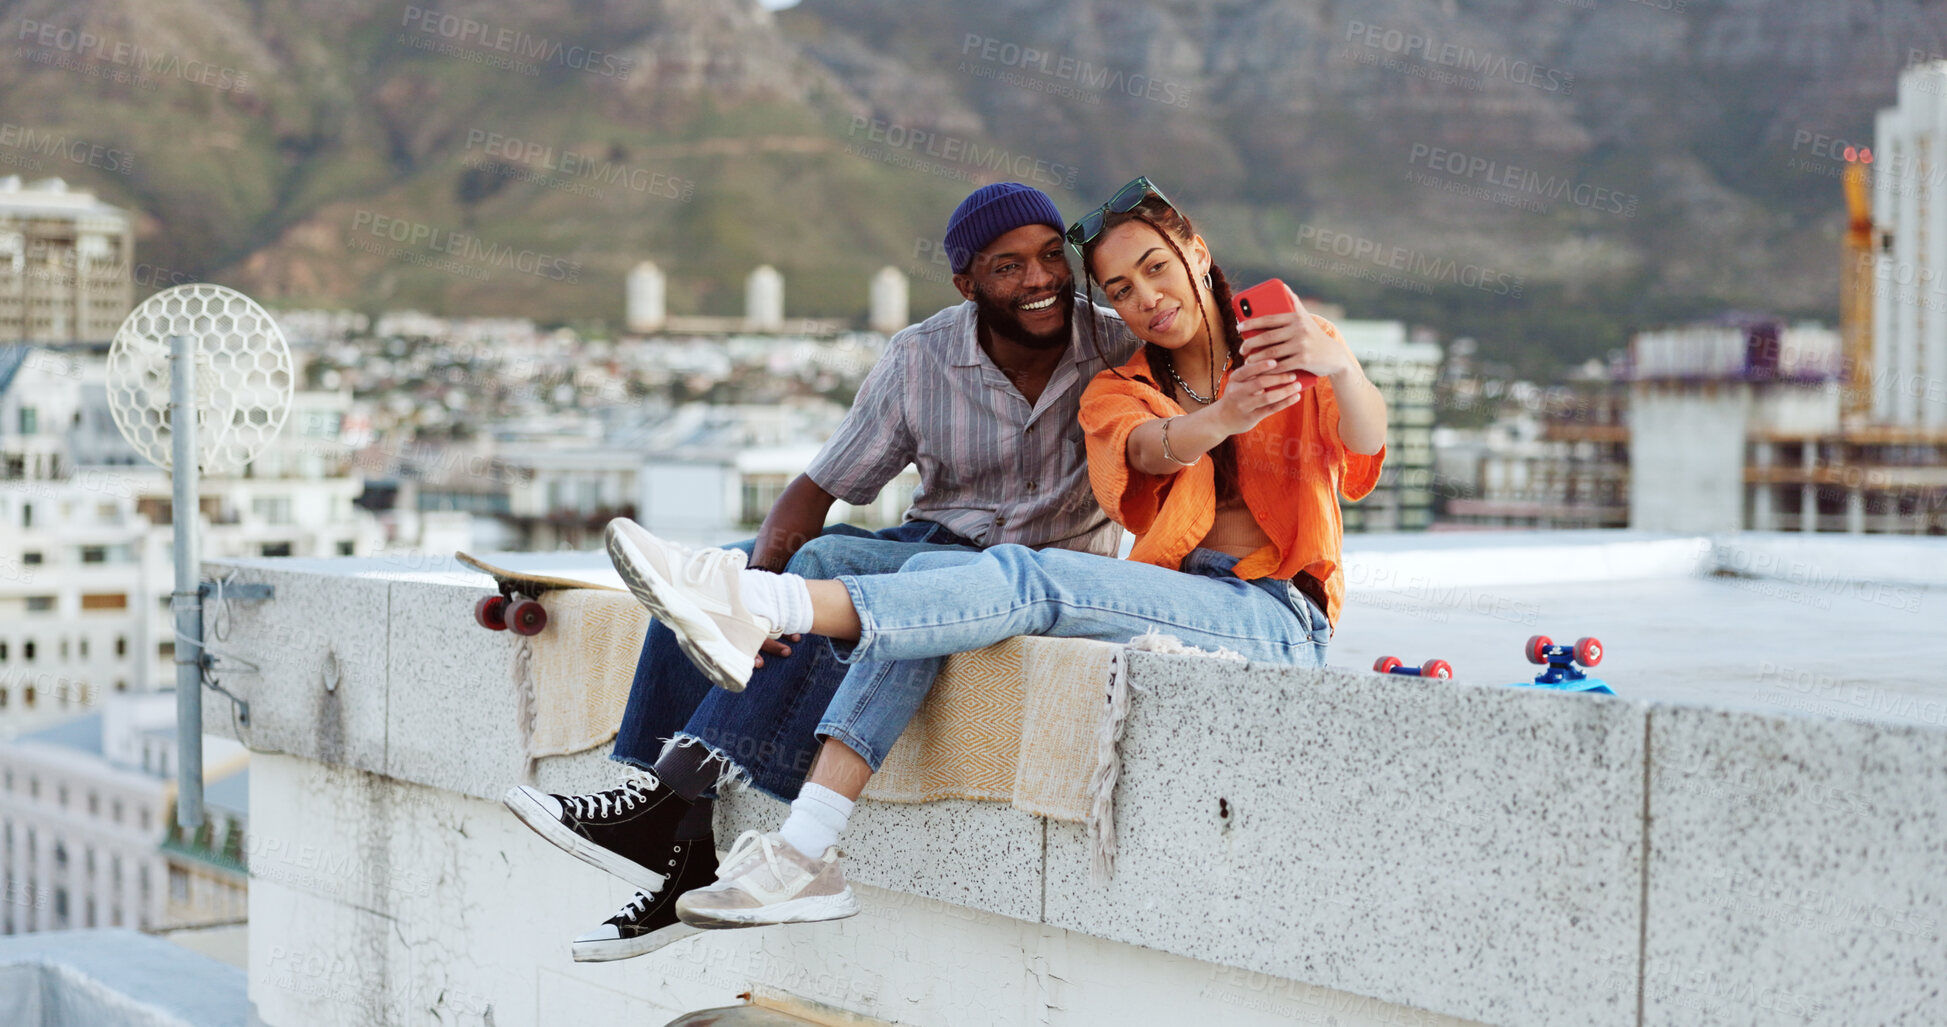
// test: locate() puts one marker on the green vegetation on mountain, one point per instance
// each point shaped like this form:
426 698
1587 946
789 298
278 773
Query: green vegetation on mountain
1625 165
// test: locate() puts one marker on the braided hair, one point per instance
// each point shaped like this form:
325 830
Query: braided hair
1174 225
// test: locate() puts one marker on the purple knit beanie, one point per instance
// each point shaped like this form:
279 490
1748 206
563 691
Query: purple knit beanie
992 211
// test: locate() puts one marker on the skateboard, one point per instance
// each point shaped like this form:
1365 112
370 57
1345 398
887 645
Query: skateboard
1429 669
1563 674
517 608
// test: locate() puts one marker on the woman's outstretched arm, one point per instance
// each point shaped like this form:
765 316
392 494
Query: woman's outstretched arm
1302 342
1362 411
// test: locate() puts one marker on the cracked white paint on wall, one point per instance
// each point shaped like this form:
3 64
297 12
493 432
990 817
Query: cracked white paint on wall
453 913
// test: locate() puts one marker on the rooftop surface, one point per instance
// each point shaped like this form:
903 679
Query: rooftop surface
1840 626
1742 643
82 733
101 976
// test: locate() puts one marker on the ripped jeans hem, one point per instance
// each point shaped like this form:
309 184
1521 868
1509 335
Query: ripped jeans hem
732 777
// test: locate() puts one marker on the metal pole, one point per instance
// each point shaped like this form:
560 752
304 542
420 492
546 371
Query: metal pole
187 600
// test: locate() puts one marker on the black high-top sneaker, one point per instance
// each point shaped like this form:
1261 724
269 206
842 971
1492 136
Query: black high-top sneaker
625 831
649 921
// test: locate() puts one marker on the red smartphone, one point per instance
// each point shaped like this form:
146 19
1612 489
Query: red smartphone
1272 297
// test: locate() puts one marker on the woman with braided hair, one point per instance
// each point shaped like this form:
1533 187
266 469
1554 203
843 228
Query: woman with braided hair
1278 451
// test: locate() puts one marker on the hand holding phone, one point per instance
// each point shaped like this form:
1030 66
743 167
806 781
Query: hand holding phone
1269 297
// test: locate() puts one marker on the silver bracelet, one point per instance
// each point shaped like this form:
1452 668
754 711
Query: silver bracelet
1166 446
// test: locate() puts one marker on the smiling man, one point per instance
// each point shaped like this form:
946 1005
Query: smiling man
984 399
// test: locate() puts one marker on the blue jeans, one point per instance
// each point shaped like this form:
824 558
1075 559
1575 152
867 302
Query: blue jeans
767 729
945 603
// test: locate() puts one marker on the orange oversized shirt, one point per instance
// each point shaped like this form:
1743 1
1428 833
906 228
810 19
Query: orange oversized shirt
1291 469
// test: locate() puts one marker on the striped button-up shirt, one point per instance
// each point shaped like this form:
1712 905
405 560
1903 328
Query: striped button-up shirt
992 468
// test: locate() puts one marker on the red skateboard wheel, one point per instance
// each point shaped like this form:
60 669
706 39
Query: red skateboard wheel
1385 664
526 617
1436 669
1536 643
491 613
1588 651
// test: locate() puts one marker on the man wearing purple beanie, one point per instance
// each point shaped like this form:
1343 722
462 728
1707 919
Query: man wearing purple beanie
983 397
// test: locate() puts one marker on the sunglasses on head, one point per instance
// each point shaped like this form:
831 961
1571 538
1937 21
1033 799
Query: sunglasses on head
1126 199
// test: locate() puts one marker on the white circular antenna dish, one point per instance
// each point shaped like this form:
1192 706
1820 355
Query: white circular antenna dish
244 375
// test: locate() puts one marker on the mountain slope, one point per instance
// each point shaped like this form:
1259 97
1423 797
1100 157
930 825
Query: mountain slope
1620 161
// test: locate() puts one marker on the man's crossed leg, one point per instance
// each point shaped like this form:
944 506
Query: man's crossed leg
654 830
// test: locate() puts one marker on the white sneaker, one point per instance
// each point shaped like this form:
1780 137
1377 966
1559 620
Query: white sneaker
696 593
766 881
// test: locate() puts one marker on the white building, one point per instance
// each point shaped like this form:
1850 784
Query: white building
724 496
85 554
85 833
764 299
1552 458
1709 401
1404 370
1910 281
65 263
707 474
647 293
888 304
310 328
76 615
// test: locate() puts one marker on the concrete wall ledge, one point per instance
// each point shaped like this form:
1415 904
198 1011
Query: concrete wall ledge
1499 855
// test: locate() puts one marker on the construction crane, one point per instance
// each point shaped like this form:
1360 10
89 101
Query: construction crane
1856 292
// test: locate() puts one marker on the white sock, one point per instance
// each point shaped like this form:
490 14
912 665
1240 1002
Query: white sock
817 816
782 599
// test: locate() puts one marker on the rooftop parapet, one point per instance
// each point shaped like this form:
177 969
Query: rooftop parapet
1293 845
